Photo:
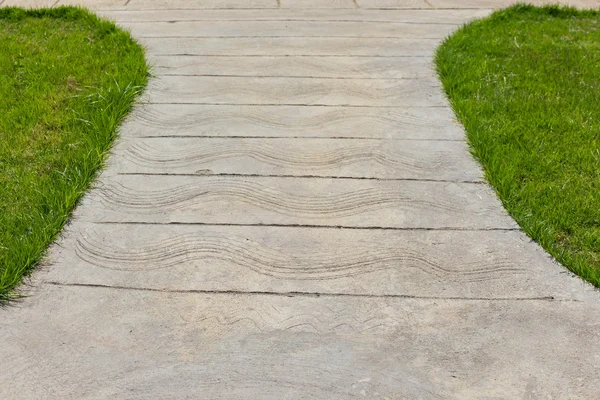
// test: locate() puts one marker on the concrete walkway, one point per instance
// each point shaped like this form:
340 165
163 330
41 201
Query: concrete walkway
293 214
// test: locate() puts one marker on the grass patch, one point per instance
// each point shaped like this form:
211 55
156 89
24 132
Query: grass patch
525 83
67 80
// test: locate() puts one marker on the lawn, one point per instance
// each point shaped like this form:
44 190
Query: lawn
67 79
525 83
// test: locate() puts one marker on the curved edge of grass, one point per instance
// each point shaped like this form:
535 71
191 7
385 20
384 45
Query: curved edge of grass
537 230
105 109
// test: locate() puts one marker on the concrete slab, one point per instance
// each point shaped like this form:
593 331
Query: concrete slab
349 29
291 66
295 201
376 159
290 46
414 16
294 91
281 260
186 345
197 120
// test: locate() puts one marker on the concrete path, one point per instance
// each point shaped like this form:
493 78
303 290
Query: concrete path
293 214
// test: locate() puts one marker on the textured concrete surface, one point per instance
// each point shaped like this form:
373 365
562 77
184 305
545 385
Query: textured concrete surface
361 158
277 121
294 91
292 213
295 201
290 46
288 28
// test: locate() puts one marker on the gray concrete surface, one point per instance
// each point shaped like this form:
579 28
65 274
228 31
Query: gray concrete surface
292 213
293 91
333 122
252 200
308 157
290 46
289 28
302 67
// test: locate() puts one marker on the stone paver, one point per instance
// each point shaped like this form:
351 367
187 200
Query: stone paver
292 213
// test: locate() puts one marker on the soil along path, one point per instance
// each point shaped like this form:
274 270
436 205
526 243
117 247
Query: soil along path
293 213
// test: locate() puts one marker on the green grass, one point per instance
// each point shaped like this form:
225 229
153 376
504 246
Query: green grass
525 83
67 79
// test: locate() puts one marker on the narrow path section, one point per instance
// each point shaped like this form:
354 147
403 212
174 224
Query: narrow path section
292 212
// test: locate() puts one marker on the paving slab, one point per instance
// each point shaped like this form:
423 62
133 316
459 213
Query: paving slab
299 67
348 29
294 91
413 123
372 159
415 16
284 260
313 46
295 201
187 345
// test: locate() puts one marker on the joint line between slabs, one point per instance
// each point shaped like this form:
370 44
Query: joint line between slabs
306 294
283 105
283 37
430 58
293 137
383 21
411 78
309 226
429 81
289 55
296 9
472 182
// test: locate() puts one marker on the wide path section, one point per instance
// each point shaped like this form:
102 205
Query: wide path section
292 212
